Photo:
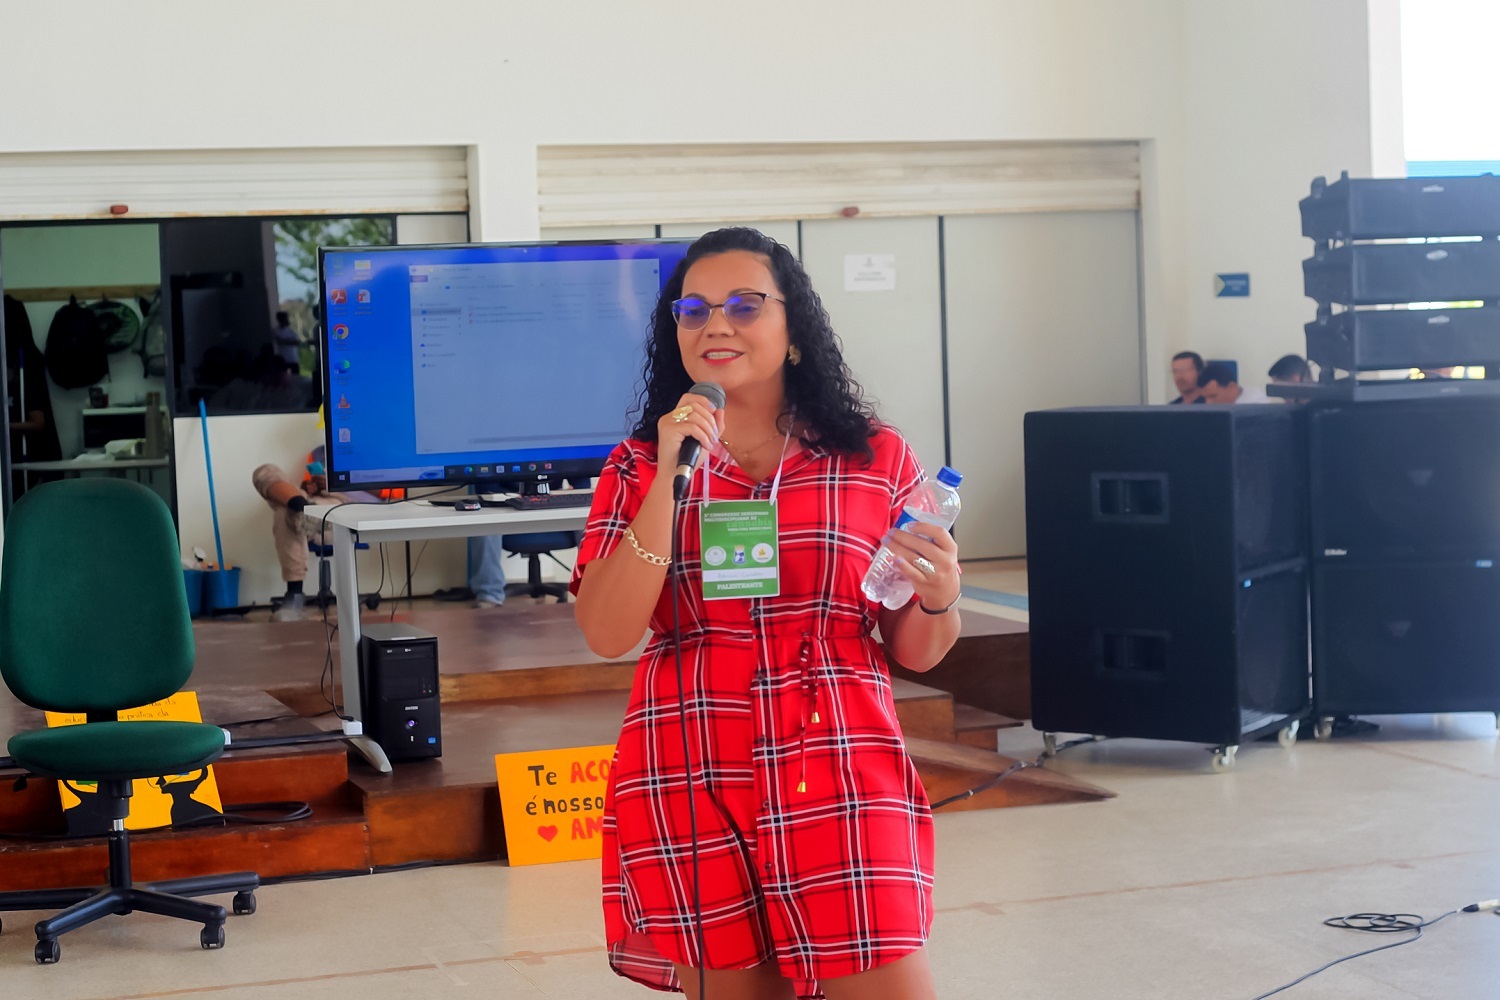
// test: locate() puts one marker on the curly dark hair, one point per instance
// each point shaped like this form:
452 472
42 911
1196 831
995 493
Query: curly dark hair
826 399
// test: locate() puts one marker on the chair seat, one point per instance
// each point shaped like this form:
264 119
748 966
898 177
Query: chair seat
539 542
102 751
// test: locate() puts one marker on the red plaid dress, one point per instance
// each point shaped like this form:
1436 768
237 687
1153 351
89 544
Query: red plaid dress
782 693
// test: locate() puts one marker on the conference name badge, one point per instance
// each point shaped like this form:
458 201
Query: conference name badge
739 545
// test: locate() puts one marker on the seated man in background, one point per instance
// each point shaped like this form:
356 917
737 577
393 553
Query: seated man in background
1290 370
486 587
1186 367
1218 385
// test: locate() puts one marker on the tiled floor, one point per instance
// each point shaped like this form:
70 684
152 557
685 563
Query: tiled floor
1190 885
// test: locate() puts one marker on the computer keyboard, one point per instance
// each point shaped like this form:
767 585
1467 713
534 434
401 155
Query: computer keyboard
544 501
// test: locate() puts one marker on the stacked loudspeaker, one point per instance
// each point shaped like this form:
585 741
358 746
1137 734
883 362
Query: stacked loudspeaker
1405 474
1168 579
1448 253
1174 551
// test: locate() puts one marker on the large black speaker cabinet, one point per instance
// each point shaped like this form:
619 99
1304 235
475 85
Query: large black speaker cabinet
1397 637
1412 479
1166 554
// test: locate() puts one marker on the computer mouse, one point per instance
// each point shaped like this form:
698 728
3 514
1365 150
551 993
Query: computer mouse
467 503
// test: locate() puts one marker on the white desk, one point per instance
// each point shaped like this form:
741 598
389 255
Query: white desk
374 524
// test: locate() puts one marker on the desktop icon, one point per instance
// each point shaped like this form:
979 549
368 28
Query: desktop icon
343 435
343 402
362 296
340 331
337 296
361 265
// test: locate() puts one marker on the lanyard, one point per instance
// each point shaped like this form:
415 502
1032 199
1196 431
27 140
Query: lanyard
775 482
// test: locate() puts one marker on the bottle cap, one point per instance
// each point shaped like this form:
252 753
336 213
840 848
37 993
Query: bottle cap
950 477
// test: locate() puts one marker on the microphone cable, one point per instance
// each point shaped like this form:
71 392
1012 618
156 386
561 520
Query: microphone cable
1372 923
674 585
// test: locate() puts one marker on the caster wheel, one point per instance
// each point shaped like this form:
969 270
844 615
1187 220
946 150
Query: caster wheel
244 904
1049 744
1224 758
212 938
48 952
1288 735
1497 722
1324 728
372 602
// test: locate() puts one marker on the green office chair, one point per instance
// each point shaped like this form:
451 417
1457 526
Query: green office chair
94 620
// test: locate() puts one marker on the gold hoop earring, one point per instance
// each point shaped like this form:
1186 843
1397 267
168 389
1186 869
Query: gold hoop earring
794 355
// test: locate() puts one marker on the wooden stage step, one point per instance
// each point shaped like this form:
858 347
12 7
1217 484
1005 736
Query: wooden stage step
512 679
334 838
949 769
976 727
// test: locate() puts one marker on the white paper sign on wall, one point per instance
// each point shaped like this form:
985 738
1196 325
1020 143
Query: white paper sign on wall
870 272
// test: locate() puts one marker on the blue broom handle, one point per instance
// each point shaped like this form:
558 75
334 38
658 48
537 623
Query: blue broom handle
213 502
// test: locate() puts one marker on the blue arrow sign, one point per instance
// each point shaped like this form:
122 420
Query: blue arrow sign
1232 286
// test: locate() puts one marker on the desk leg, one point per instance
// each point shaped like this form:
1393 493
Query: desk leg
346 597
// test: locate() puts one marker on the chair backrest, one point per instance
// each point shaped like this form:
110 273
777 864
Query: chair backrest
93 613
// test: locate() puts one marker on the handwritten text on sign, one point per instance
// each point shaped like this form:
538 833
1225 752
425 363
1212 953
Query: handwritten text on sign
552 803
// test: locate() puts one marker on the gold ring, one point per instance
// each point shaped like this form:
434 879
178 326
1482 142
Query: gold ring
681 413
924 566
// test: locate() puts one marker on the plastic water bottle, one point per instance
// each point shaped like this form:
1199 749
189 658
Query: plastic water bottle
932 502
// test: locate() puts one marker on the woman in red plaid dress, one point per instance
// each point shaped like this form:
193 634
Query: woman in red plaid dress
813 865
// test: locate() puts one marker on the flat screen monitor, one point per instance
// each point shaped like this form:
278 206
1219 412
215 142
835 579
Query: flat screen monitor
477 363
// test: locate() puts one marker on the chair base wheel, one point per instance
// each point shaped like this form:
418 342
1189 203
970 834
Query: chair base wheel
48 952
244 904
212 937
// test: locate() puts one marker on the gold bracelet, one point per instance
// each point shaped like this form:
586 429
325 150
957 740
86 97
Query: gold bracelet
650 557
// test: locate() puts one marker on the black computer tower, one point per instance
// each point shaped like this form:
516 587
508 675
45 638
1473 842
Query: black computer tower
1166 550
398 669
1406 539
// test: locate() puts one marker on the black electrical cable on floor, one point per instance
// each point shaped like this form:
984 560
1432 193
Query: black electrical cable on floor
1369 923
674 586
1020 765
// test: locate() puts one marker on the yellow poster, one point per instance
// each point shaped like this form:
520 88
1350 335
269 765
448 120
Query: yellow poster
552 803
154 802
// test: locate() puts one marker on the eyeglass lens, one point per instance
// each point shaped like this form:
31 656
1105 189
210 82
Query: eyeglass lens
740 310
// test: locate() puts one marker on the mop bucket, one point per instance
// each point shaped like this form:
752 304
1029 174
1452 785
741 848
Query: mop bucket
221 589
192 582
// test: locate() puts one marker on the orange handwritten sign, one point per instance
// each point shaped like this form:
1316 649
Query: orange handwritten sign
552 803
171 799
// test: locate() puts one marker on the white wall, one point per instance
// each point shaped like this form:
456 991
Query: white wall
1239 105
1279 93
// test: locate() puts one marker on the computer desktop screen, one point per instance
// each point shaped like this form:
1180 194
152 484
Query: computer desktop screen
486 362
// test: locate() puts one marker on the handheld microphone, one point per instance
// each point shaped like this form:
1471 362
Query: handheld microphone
687 455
